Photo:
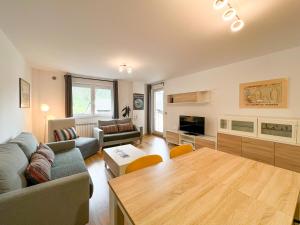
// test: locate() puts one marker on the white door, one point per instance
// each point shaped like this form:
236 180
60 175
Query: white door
158 113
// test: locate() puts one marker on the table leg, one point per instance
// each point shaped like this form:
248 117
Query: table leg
115 213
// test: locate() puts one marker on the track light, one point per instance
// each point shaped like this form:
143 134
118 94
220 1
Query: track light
220 4
237 25
124 67
229 14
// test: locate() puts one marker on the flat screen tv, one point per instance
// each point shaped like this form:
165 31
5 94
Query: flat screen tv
192 125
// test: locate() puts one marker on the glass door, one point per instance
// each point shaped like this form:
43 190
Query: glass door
158 115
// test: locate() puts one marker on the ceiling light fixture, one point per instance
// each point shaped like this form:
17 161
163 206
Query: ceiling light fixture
230 14
220 4
124 67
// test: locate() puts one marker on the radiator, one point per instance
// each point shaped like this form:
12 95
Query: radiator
85 126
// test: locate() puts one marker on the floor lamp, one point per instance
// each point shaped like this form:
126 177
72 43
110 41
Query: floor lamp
45 108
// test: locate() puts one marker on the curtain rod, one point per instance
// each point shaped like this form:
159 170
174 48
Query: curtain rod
88 78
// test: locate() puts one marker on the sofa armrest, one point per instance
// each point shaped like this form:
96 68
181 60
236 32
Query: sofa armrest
61 146
99 134
141 130
62 201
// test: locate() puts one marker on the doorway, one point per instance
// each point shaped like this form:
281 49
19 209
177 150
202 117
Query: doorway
158 111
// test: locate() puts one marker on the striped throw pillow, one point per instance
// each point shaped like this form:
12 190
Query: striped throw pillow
47 152
125 127
38 170
65 134
110 129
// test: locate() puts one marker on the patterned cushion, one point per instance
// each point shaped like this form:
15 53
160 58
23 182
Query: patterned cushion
38 170
65 134
110 129
125 127
47 152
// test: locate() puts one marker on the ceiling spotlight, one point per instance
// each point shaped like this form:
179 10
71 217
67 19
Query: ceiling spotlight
129 70
220 4
237 25
121 68
229 14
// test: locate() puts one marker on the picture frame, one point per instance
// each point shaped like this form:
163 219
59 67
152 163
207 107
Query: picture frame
138 101
264 94
24 93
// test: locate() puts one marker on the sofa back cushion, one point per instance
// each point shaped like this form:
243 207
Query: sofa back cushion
65 134
13 163
124 121
38 170
125 127
102 123
110 129
27 142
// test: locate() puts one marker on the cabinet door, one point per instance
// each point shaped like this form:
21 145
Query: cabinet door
278 130
202 143
230 144
262 151
223 125
172 137
287 156
246 126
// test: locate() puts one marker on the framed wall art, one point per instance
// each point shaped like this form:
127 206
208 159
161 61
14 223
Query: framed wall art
264 94
24 93
138 101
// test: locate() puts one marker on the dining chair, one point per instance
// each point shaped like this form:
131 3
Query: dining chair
180 150
143 162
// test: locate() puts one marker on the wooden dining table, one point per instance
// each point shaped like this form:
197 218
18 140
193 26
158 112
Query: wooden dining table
206 187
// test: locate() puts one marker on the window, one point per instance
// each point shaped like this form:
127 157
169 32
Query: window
92 100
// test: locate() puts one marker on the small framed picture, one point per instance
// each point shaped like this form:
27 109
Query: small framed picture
24 92
138 101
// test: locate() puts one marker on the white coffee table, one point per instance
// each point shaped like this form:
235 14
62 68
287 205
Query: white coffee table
117 158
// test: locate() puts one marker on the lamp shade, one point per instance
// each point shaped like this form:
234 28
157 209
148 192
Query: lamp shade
45 107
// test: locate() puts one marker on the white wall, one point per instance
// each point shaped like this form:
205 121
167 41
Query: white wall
50 92
13 119
224 83
125 95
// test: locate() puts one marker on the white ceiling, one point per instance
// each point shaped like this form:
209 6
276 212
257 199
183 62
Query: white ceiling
158 38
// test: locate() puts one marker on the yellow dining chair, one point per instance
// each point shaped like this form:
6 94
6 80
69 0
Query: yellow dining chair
143 162
180 150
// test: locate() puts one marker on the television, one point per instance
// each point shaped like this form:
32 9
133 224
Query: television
192 125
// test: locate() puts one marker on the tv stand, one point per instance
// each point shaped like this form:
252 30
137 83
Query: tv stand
190 133
197 141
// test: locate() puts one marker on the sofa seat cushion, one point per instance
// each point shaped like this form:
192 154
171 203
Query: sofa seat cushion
121 136
27 142
88 146
69 163
13 164
67 157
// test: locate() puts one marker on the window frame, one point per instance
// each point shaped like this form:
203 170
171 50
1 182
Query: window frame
93 88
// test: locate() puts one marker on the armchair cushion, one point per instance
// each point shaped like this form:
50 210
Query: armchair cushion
88 146
65 134
13 163
27 142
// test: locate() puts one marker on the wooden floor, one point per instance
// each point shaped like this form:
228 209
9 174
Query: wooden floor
99 204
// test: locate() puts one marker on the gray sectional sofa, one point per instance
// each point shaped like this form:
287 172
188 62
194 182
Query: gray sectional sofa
117 138
62 201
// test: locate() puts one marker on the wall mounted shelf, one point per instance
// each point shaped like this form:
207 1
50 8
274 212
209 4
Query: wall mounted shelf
197 97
